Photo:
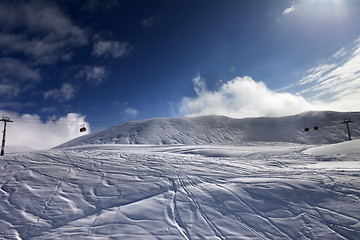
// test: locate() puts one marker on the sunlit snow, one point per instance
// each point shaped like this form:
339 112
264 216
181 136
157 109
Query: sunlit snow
248 190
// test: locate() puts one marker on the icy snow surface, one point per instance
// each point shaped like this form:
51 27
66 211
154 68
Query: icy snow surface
252 191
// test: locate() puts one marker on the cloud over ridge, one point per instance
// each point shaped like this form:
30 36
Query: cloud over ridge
333 84
241 97
26 129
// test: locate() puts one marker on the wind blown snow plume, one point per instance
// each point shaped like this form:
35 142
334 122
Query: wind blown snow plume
29 132
241 97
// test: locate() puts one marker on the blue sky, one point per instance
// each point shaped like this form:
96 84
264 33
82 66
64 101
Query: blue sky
64 63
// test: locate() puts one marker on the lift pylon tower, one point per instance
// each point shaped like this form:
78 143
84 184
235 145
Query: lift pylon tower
5 120
347 121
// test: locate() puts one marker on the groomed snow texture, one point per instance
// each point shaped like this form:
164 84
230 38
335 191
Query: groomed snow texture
248 190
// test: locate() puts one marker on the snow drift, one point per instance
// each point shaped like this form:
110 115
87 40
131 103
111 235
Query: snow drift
224 130
349 147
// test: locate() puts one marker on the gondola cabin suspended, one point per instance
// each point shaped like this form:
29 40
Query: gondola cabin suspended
316 127
82 128
306 129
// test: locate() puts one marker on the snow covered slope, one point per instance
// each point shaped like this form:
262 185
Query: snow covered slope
224 130
349 147
91 188
253 191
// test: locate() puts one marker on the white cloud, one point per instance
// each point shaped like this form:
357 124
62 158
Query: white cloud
199 84
13 68
131 111
56 35
16 77
315 74
65 93
335 83
340 53
332 85
113 49
241 97
29 131
93 74
9 90
291 9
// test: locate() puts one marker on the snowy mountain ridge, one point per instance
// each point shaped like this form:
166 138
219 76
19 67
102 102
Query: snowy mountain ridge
224 130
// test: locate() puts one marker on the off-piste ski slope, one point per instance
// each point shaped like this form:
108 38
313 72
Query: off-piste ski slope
245 190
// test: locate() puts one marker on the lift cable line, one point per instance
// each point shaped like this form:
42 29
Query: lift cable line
347 121
5 120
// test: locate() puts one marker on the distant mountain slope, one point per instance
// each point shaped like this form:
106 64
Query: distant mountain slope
225 130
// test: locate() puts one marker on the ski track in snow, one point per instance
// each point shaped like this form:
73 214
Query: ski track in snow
255 191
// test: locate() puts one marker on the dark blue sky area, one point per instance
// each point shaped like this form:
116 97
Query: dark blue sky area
116 61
